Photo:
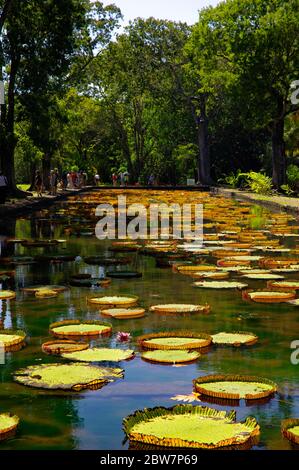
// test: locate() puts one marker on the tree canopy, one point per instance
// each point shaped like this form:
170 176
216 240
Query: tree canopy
155 98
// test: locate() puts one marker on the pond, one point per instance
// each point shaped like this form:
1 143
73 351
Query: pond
92 419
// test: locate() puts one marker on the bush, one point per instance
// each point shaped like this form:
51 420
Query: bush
293 177
256 182
259 183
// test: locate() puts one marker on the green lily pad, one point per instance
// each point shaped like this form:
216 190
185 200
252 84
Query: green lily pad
220 285
189 426
100 354
290 429
234 338
76 328
7 294
175 340
75 376
8 425
175 356
12 338
235 387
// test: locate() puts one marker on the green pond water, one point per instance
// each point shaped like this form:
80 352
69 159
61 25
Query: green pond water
93 419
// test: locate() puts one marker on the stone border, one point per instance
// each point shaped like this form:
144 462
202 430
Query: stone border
288 204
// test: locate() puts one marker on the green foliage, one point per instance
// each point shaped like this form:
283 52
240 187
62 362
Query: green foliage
256 182
259 183
287 190
293 177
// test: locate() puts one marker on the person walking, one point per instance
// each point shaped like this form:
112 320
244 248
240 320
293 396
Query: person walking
114 179
96 179
38 183
3 187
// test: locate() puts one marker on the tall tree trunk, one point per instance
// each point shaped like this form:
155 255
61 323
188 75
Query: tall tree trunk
8 139
32 176
46 169
278 154
204 164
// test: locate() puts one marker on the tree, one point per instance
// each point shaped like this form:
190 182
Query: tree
41 41
252 47
135 80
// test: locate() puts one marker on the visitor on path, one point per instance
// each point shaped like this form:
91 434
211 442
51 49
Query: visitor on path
96 179
3 187
69 181
74 176
84 178
122 178
126 178
64 180
114 179
38 183
151 180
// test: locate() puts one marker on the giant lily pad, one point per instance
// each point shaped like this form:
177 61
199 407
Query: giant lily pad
290 429
7 294
100 354
174 356
235 387
211 275
114 301
269 296
101 261
175 340
235 338
8 425
123 313
220 285
262 276
46 293
70 328
287 284
62 346
12 339
195 268
75 376
90 282
180 308
35 289
124 274
189 426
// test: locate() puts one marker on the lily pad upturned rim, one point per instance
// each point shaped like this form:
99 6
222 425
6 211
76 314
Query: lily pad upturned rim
91 281
148 414
124 274
200 381
9 431
278 296
34 289
249 342
125 355
102 261
29 377
51 347
123 313
157 356
17 343
286 429
173 308
8 295
220 285
106 331
124 300
285 284
205 340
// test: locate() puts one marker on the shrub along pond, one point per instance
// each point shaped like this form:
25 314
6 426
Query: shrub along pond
95 331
